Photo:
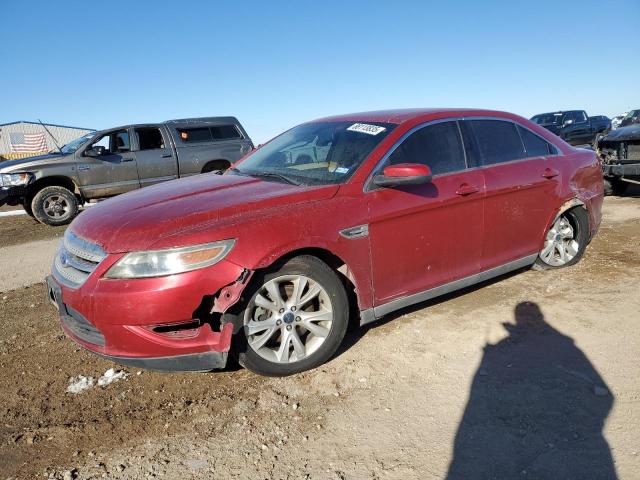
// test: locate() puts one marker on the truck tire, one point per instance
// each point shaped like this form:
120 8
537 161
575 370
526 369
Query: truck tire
27 208
614 186
217 166
54 206
301 327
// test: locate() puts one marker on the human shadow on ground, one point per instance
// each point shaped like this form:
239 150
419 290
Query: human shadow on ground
536 409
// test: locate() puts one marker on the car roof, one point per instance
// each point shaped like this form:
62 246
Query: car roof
399 116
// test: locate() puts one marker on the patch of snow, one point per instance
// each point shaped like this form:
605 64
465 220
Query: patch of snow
79 384
111 376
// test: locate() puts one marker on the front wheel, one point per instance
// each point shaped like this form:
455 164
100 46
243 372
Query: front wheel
566 240
54 206
295 318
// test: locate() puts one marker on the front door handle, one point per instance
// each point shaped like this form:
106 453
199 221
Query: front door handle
466 189
167 155
126 159
550 173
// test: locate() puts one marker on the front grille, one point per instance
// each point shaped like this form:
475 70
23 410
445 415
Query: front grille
81 328
75 260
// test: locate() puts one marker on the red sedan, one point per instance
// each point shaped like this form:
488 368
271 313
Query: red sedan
344 218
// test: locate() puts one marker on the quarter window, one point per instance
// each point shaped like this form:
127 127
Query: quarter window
533 144
498 141
438 146
224 132
208 134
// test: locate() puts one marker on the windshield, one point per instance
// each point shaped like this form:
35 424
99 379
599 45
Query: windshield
74 145
632 113
315 153
547 118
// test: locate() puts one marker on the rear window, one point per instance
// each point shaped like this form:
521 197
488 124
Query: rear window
534 145
208 134
498 141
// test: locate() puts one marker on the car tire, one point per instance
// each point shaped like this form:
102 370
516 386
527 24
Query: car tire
217 167
296 335
565 241
614 186
54 206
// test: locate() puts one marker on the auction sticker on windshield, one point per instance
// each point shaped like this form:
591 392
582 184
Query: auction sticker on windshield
366 128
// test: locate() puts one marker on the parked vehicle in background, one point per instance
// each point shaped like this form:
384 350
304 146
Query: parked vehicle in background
110 162
345 217
630 118
617 120
574 126
619 151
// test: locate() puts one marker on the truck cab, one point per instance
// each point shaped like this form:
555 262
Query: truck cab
110 162
574 126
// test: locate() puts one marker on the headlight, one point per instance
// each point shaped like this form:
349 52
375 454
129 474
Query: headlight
14 179
158 263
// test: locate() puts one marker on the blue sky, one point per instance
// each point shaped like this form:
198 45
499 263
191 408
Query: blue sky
276 64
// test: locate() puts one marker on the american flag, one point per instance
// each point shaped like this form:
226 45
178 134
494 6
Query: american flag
28 142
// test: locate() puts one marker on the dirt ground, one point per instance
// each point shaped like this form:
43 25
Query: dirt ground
534 375
20 229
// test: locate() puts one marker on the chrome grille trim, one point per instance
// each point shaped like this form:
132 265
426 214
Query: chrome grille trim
75 260
83 248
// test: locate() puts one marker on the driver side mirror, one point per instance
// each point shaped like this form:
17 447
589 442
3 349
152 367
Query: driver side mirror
403 174
95 151
567 122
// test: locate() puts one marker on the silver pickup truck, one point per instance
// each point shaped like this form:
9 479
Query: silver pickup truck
102 164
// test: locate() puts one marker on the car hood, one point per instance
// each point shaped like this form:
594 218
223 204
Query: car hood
23 164
162 216
632 132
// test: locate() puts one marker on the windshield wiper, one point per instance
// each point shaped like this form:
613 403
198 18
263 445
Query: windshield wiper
272 175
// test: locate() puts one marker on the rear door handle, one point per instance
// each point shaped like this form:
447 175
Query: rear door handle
466 189
127 159
550 173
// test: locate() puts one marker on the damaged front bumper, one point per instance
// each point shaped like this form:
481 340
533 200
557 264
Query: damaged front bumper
165 323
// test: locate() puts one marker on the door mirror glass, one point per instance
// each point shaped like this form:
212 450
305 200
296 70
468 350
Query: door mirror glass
568 121
403 174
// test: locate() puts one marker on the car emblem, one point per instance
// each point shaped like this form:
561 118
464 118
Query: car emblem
64 259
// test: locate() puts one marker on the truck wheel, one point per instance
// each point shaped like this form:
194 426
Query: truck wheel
566 240
614 186
54 206
294 318
218 167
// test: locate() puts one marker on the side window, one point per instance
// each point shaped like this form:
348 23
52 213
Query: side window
225 132
102 142
190 135
438 146
498 141
149 138
533 144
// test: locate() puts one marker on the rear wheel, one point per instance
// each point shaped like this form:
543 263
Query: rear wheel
566 240
217 166
54 206
294 320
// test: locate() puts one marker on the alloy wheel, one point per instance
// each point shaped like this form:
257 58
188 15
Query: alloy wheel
56 206
288 319
560 246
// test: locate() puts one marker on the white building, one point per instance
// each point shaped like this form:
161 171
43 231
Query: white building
18 139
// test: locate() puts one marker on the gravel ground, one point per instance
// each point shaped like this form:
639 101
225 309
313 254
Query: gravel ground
530 376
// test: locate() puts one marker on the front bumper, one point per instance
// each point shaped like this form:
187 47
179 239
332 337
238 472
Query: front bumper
623 170
11 195
126 320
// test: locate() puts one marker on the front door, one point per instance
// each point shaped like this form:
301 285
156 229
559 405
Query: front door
423 236
154 155
112 173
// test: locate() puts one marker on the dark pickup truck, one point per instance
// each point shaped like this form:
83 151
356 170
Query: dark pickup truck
102 164
574 126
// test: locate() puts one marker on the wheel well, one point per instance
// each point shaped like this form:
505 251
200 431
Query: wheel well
342 270
57 181
220 164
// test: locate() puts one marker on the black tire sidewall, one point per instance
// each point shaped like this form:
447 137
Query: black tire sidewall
37 205
317 270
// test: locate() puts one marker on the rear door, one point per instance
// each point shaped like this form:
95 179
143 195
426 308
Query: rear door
519 189
423 236
114 172
154 154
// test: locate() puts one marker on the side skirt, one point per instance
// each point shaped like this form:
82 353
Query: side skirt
372 314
